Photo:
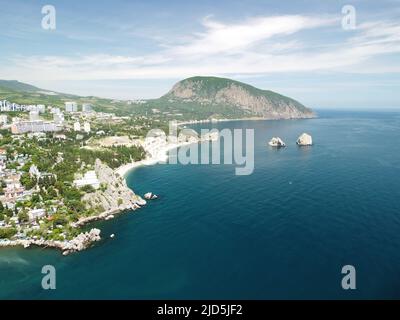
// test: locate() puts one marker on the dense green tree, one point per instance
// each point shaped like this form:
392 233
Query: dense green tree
88 189
6 233
8 212
23 216
59 219
27 181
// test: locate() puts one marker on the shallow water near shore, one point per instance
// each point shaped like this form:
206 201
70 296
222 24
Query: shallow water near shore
283 232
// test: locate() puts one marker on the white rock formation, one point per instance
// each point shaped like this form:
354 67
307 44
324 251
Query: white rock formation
150 196
305 140
81 241
276 142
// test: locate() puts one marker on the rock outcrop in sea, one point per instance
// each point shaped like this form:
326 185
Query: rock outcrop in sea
150 196
277 142
305 140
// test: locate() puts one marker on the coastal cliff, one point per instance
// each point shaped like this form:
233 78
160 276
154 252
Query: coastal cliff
114 195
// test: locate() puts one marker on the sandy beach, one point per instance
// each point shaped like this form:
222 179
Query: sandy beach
161 157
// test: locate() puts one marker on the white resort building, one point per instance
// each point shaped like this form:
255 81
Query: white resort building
77 126
34 115
36 213
71 107
86 127
20 127
13 189
3 119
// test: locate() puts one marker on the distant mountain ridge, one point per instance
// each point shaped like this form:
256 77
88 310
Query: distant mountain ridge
23 93
234 98
195 98
15 85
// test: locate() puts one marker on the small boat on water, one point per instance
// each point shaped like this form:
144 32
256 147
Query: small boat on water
277 142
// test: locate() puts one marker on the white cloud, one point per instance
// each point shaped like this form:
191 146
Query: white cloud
258 45
228 38
378 32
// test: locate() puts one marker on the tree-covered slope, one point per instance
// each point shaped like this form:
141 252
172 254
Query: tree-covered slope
206 97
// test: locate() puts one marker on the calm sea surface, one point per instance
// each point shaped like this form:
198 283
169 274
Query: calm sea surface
283 232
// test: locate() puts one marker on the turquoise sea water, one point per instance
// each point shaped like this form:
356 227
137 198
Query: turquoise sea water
283 232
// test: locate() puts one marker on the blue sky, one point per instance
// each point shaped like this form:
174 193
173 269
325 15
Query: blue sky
139 49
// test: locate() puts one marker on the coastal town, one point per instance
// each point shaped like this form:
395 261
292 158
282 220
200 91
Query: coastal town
63 167
64 158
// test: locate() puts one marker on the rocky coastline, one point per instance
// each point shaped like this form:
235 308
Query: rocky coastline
81 242
115 198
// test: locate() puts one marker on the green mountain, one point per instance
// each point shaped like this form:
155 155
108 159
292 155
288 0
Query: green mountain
212 97
23 93
14 85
